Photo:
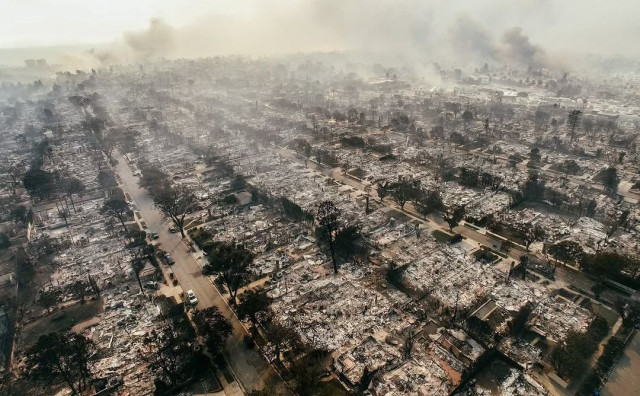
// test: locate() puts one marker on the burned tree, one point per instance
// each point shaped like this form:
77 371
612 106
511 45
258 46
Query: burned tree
573 119
175 203
71 186
14 172
118 208
327 217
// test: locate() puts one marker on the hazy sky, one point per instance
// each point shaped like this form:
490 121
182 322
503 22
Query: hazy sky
27 23
239 26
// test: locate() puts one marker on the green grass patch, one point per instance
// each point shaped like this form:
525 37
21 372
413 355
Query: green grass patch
332 388
471 226
441 236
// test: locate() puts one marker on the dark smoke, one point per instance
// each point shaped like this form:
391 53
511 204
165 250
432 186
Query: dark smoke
471 41
519 49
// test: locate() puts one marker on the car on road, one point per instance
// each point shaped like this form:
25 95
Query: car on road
164 255
191 297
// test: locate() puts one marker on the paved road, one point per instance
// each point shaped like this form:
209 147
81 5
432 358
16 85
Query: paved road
624 380
247 364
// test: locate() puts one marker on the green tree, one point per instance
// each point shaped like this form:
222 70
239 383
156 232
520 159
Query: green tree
308 371
350 243
403 191
530 234
610 180
282 338
606 264
231 263
570 167
169 357
39 183
66 356
213 327
48 299
454 217
533 189
79 289
467 117
383 189
20 214
152 177
428 201
569 357
568 251
254 305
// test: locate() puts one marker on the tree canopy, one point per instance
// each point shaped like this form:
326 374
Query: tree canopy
39 183
454 216
231 263
175 202
213 327
66 356
328 218
117 208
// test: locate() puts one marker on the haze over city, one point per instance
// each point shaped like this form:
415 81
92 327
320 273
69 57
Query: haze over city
319 197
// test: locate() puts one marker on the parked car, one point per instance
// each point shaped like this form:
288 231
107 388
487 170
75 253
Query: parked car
151 285
191 297
174 230
169 260
154 235
455 239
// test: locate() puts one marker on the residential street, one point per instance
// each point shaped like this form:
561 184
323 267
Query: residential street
247 364
624 380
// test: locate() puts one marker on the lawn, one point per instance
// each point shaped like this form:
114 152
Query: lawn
441 236
332 388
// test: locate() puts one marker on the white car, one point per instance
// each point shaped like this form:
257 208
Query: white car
191 297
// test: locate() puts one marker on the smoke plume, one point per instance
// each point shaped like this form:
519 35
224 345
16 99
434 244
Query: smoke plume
460 32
